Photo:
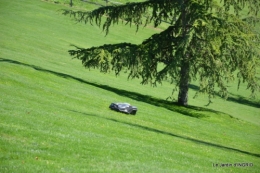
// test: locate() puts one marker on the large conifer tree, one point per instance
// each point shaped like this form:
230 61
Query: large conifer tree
207 40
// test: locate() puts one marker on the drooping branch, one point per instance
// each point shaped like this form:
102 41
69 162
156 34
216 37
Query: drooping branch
137 13
141 60
209 40
226 45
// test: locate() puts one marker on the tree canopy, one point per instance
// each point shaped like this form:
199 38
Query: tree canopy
206 40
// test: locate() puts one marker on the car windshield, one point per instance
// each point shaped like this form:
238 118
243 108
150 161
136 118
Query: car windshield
124 104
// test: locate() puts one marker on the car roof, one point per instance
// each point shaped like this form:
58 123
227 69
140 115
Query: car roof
122 103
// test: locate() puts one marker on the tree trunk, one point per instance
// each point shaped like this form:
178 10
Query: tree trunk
185 65
184 83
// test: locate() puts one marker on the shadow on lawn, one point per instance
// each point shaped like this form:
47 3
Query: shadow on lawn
192 111
242 100
171 134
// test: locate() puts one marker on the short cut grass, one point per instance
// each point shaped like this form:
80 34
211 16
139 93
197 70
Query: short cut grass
55 116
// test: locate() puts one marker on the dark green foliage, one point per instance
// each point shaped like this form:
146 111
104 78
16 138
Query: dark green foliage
205 41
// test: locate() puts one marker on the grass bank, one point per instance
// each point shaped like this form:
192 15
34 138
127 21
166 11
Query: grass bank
55 117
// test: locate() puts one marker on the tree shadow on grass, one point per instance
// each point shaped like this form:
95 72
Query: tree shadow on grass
171 134
242 100
192 111
233 98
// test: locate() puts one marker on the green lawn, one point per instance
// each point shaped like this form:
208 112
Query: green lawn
54 114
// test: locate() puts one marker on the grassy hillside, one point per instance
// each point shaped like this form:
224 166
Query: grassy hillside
55 117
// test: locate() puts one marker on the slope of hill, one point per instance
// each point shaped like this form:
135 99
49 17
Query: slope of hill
55 117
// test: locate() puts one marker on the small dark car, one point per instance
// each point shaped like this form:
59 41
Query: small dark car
124 108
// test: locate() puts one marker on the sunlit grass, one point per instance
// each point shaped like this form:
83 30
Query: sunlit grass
55 117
